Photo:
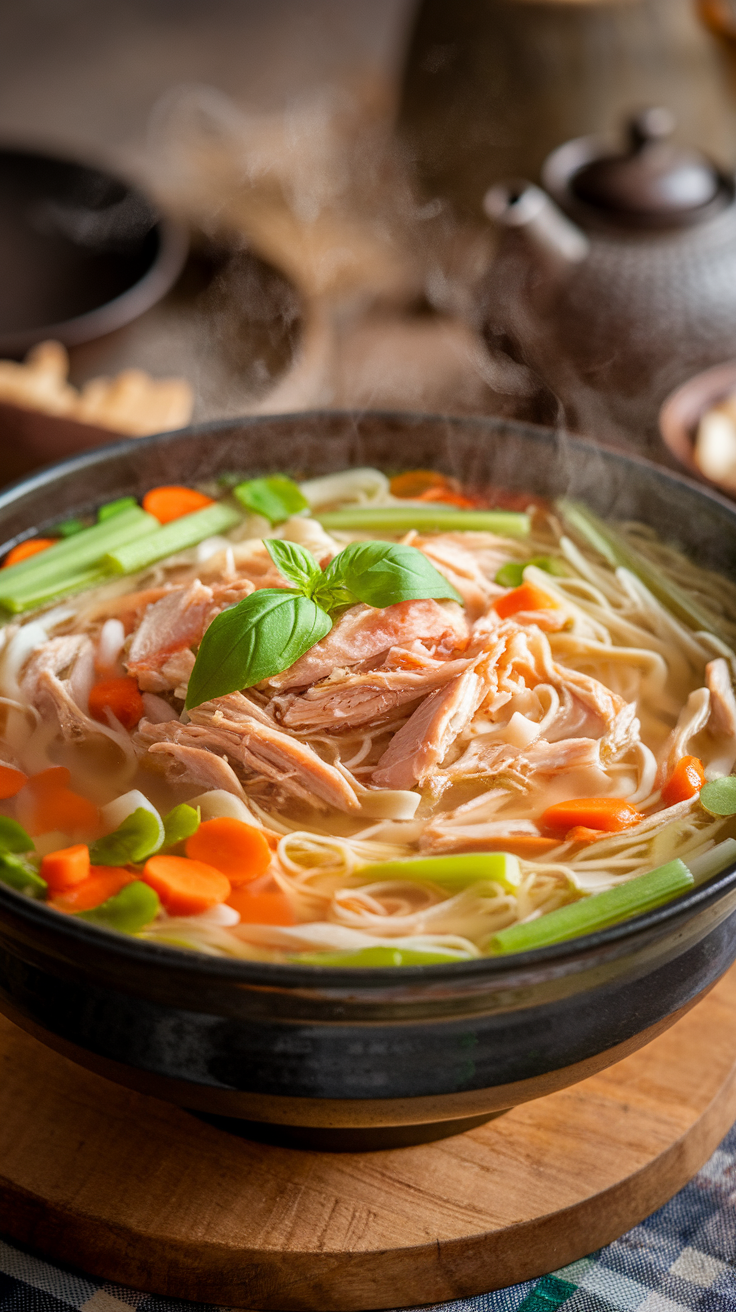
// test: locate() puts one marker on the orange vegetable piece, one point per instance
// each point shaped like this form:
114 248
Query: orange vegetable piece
11 781
528 597
610 814
103 882
265 907
580 834
448 497
416 482
46 803
65 868
185 887
25 550
121 696
167 503
239 850
686 780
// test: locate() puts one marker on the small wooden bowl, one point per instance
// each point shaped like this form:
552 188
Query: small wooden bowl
684 408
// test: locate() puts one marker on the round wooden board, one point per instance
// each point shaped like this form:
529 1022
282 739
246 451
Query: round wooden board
142 1193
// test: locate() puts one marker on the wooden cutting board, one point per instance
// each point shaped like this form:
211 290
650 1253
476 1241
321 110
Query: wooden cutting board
136 1191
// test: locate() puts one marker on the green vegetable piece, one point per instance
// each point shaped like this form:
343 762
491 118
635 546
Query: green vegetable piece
114 508
381 956
511 575
262 635
129 911
276 498
718 797
384 573
449 871
399 519
179 535
610 544
134 840
19 874
44 591
70 527
295 563
13 837
180 824
598 911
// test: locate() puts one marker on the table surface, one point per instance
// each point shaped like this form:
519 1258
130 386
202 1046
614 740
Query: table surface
681 1257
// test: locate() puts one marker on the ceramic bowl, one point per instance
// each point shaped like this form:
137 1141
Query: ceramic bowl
338 1058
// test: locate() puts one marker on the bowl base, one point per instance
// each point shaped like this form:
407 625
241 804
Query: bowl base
342 1139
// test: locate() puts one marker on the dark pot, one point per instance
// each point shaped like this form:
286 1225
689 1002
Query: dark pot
365 1058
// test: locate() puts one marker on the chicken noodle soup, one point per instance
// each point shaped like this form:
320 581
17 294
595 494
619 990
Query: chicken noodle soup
360 721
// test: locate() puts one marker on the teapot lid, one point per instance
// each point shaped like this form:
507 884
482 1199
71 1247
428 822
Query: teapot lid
654 182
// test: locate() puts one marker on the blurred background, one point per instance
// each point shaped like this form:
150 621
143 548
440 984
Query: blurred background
326 162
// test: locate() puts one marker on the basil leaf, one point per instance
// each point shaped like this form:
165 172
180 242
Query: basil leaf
383 573
719 796
18 873
260 636
275 498
134 840
13 837
180 823
295 563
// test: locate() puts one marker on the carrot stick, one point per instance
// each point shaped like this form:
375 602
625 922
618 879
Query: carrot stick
46 803
11 781
25 550
265 907
65 868
121 696
610 814
526 598
239 850
185 887
167 503
686 780
103 882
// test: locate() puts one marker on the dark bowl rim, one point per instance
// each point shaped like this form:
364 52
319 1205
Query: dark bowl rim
296 975
165 267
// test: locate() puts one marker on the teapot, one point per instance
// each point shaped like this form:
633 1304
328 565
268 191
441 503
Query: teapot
616 280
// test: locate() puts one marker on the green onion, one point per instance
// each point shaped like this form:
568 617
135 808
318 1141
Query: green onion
176 536
450 871
381 956
616 551
400 519
114 508
77 552
598 911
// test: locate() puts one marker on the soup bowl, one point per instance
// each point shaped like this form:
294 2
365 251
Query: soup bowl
340 1058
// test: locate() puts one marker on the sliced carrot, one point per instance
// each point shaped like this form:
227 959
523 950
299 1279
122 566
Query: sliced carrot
686 780
528 597
186 887
167 503
103 882
448 498
121 696
65 868
265 907
25 550
610 814
46 803
11 781
240 851
580 834
416 482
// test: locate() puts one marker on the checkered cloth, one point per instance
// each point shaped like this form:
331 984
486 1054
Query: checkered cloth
682 1257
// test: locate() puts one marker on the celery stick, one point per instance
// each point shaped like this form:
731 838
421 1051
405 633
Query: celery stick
399 519
616 551
381 955
598 911
40 593
171 538
80 550
450 871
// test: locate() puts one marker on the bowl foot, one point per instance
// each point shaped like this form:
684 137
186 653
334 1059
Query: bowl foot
344 1139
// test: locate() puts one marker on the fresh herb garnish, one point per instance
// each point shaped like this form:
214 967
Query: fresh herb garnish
269 630
276 498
